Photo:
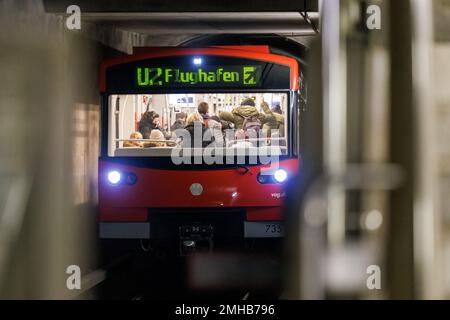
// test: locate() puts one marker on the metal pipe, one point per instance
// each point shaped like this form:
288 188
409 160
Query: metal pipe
290 23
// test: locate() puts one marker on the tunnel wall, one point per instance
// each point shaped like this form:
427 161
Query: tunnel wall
440 76
50 101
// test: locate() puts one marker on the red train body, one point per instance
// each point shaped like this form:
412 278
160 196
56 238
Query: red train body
160 195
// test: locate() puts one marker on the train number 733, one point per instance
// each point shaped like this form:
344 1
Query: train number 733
274 228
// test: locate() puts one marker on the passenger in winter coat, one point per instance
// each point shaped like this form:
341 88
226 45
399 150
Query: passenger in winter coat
247 110
195 125
156 135
149 122
275 121
238 114
215 126
133 144
241 140
180 121
203 110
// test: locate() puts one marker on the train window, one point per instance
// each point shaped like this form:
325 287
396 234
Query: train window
152 125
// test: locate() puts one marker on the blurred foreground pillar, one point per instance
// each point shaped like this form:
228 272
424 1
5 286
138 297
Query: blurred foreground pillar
414 226
41 233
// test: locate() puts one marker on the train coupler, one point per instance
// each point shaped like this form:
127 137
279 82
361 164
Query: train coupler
196 238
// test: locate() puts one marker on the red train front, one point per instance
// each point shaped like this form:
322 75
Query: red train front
152 186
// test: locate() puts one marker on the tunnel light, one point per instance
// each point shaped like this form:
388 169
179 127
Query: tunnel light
197 61
114 177
280 175
373 220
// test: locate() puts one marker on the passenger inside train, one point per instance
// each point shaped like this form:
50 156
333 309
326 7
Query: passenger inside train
153 124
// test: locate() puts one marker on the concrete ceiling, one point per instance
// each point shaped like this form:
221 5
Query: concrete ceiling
285 23
171 23
155 6
126 30
171 29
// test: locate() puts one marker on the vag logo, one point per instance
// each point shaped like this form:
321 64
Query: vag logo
278 195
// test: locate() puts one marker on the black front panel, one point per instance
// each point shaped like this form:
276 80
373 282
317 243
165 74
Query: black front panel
196 73
227 223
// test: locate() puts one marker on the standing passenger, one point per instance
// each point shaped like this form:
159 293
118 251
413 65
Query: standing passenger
149 122
197 130
180 121
203 109
215 125
241 140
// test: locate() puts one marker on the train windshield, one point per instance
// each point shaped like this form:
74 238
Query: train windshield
165 125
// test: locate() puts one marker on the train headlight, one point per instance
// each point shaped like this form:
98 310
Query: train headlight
114 177
277 176
264 178
280 175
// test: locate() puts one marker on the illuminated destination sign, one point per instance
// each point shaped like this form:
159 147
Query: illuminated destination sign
202 76
177 73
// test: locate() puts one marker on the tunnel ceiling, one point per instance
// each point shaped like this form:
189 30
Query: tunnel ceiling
289 23
153 6
171 23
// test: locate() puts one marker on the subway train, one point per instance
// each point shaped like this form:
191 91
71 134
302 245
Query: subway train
155 190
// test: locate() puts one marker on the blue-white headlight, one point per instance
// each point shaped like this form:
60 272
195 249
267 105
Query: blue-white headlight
114 177
280 175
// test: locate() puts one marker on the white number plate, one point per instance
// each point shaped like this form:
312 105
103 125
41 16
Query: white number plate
263 229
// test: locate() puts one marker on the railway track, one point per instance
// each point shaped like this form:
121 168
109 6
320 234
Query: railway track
143 276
